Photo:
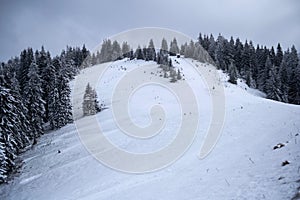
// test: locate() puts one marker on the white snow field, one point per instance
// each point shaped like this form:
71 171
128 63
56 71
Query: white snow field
243 164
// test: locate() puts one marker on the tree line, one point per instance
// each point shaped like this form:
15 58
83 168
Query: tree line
274 72
34 96
271 71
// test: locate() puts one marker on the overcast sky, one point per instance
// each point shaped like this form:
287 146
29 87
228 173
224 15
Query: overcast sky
58 23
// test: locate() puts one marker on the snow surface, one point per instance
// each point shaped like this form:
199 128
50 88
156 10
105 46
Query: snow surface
243 164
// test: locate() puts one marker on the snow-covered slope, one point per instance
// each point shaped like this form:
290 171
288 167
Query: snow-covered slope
243 164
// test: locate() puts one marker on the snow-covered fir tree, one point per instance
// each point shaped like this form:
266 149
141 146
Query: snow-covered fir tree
90 103
273 85
8 144
26 59
174 49
232 74
151 53
4 158
33 100
64 109
220 53
125 50
116 51
139 53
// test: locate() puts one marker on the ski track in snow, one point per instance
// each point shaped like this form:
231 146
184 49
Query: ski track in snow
243 164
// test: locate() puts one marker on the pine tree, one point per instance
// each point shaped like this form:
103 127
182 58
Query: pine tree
183 48
26 59
22 129
232 74
84 54
139 53
205 42
293 72
93 59
265 75
151 54
90 103
189 51
284 77
249 80
198 53
272 55
145 54
131 56
220 55
3 158
44 62
125 50
273 85
212 47
297 96
106 51
64 101
116 51
254 65
174 48
98 107
238 49
230 51
164 47
68 60
279 55
34 101
8 145
200 39
261 56
53 105
52 100
245 62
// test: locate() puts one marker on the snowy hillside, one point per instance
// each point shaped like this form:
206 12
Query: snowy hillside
243 164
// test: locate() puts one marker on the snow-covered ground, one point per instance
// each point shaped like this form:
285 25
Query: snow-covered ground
243 164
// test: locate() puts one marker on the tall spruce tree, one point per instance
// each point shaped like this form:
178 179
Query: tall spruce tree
139 53
279 55
238 49
8 145
189 51
64 109
33 100
125 50
220 55
174 47
212 47
293 72
232 74
284 76
26 59
22 129
164 47
151 53
116 51
273 85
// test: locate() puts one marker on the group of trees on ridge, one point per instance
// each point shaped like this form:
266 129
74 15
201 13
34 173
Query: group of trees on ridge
274 72
271 71
34 95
